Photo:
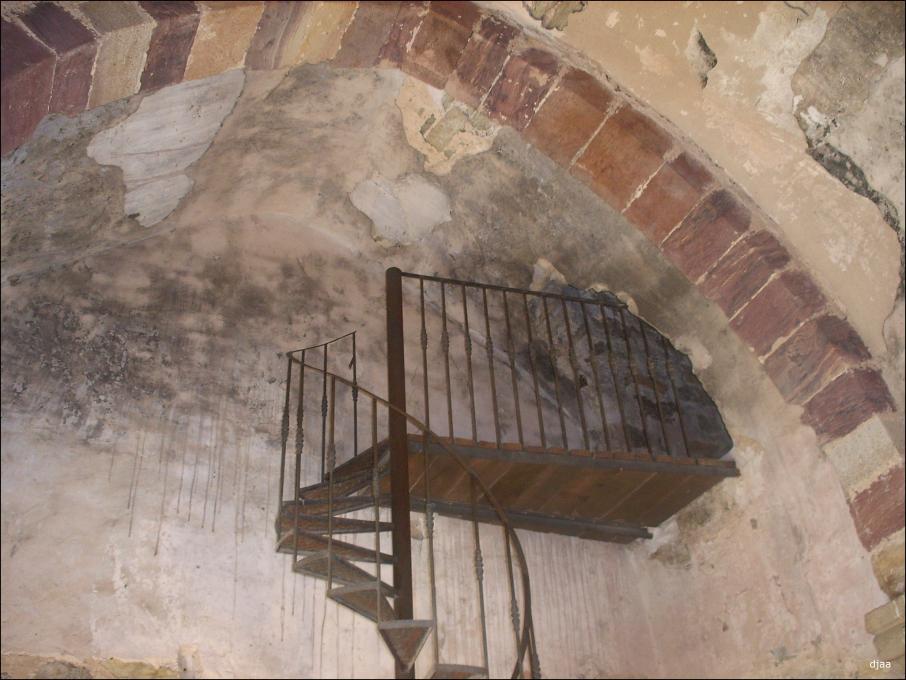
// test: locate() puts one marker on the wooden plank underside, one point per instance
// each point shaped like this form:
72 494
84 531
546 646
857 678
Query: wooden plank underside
607 491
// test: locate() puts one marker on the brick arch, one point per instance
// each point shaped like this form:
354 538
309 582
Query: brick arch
58 60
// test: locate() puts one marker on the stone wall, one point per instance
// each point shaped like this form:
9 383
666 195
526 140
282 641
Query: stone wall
66 57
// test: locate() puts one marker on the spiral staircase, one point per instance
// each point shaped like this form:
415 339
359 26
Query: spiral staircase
395 463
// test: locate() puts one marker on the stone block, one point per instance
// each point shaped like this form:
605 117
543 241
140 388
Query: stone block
225 31
171 42
743 270
124 32
669 197
439 42
291 33
408 18
76 48
849 400
815 354
879 510
890 643
887 562
627 150
323 28
569 116
862 455
777 310
525 80
367 33
281 25
26 81
706 234
886 616
481 61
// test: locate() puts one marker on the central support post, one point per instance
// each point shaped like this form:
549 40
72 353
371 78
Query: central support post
399 455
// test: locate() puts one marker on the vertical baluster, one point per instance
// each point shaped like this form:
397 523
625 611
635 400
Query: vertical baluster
511 579
375 493
528 327
511 352
489 348
553 358
594 374
445 346
355 399
479 573
331 464
657 397
429 526
284 429
324 415
300 442
635 382
424 344
676 400
617 388
468 347
574 364
533 653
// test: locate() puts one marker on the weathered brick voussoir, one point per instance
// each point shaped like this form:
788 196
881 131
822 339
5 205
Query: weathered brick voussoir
171 42
76 49
27 69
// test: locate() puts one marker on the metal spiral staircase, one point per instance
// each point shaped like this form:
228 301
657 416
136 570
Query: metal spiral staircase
642 461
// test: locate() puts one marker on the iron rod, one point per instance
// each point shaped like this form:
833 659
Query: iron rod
375 488
489 349
594 374
531 352
300 443
284 430
635 382
617 388
331 464
445 346
574 364
355 399
511 351
552 351
324 416
676 400
479 572
468 347
657 397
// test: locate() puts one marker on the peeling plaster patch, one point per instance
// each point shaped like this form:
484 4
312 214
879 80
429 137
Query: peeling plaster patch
170 131
442 130
401 211
695 350
612 19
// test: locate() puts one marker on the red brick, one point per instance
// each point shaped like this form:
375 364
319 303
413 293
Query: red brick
879 510
75 47
170 44
402 33
669 197
481 61
525 80
810 358
624 153
440 41
743 270
777 310
848 401
703 237
569 116
26 81
369 30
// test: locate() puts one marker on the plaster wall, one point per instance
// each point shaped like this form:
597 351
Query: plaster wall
142 397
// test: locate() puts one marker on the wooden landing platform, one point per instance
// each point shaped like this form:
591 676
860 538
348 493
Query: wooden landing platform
602 496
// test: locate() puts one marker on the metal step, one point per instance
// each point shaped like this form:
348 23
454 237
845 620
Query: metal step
405 638
312 543
363 599
317 507
364 461
339 525
454 671
342 571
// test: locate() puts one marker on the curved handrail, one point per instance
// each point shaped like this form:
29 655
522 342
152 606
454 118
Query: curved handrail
495 504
